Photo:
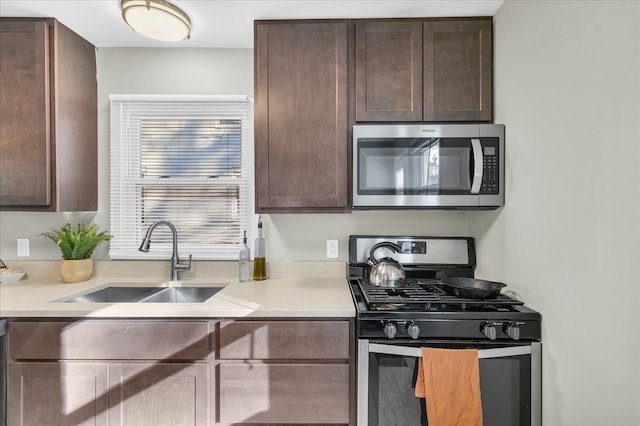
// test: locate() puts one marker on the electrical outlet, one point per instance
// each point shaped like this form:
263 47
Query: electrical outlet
23 247
332 249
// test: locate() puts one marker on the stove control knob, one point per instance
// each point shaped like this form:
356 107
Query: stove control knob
512 330
488 330
413 330
390 330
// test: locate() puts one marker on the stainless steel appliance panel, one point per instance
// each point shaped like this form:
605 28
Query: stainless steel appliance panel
510 380
392 325
428 166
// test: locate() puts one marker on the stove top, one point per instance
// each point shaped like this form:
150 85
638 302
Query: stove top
428 295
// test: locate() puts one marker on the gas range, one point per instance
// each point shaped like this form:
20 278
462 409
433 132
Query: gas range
423 308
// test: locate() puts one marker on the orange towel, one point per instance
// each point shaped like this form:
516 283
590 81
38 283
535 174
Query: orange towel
449 379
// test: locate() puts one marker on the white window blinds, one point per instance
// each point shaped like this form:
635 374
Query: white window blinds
185 159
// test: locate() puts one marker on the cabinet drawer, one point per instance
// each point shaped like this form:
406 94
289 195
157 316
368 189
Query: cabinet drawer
284 393
284 340
166 340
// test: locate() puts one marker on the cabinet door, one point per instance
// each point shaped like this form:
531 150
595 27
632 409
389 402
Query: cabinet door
152 394
25 162
283 393
301 135
389 71
62 394
458 70
76 122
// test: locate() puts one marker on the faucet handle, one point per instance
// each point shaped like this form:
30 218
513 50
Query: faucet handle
183 266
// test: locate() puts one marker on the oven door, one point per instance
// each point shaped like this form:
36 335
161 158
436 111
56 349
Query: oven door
510 383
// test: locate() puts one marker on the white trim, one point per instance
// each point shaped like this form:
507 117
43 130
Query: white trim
178 98
125 190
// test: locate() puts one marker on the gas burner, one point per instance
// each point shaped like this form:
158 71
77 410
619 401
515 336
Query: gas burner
428 295
388 306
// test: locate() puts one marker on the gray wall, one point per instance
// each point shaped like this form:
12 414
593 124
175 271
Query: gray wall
568 91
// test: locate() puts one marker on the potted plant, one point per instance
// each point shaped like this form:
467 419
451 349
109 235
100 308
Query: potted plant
76 246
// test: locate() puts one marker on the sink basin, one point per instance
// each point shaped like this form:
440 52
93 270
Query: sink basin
114 295
120 294
182 295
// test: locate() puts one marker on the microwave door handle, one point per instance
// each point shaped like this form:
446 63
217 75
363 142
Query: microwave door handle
478 160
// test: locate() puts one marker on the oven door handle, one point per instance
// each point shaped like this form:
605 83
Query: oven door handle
417 352
478 165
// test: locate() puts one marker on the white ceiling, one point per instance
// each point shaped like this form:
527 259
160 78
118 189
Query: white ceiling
229 23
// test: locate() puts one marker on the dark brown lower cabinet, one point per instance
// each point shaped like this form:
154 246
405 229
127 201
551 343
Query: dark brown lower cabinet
180 373
113 394
57 393
284 393
285 372
147 394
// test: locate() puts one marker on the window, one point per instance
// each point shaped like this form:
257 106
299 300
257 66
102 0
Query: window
185 159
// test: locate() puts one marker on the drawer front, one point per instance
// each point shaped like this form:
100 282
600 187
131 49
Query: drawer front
284 340
284 393
166 340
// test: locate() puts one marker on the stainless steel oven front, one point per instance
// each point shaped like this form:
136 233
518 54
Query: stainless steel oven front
510 382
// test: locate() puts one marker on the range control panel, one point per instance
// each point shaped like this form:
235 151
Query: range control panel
425 251
491 172
446 329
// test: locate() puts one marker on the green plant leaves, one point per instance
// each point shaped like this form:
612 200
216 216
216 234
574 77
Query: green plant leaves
77 243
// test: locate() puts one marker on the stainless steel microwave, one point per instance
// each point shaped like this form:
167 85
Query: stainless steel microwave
414 166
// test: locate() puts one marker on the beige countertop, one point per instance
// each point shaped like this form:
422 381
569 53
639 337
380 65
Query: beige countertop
275 297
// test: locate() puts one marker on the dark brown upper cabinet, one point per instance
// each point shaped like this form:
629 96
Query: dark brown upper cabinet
48 117
389 71
424 70
301 116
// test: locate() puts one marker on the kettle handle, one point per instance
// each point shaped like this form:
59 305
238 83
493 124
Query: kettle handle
372 259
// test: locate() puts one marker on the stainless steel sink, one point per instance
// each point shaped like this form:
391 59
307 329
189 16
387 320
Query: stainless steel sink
114 295
182 295
121 294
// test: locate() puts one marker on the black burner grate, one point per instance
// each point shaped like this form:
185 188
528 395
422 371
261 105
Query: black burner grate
429 295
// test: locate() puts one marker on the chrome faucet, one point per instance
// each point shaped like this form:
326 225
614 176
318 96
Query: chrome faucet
176 265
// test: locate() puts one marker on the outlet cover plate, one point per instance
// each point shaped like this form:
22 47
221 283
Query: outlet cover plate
23 247
332 249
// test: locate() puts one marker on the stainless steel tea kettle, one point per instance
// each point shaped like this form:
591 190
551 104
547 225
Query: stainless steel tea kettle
386 272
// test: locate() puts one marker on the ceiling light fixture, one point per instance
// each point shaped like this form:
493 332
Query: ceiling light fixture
157 19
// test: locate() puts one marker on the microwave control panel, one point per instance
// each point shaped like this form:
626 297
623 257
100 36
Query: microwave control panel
491 172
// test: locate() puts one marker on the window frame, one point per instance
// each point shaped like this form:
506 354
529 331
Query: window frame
123 188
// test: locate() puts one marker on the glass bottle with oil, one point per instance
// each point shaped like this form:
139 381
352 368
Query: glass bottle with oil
260 261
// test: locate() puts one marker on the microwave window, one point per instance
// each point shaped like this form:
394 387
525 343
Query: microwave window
426 166
454 170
